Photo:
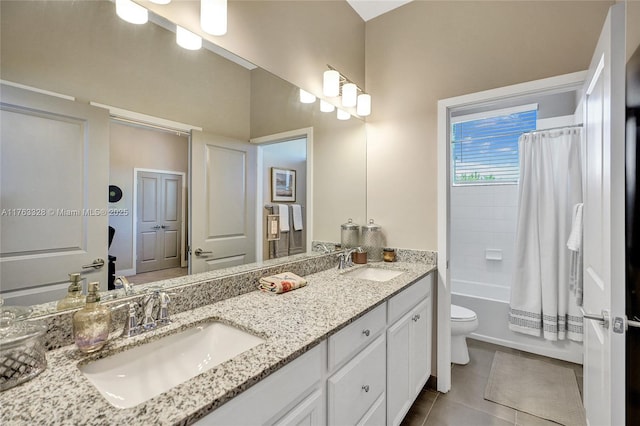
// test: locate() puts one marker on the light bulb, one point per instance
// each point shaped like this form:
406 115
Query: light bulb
131 12
343 115
326 106
349 95
306 97
331 83
213 16
188 40
364 105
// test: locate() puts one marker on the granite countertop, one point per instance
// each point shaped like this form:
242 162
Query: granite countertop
291 323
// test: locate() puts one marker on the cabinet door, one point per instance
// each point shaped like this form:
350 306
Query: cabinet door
399 383
309 412
420 346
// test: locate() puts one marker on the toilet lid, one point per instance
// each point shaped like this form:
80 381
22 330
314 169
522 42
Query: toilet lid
460 313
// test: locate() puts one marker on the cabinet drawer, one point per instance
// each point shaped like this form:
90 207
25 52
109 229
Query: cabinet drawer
354 389
376 414
351 339
401 303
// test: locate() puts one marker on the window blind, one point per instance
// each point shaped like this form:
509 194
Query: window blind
485 150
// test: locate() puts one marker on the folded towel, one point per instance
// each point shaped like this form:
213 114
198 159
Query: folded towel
281 283
296 209
284 217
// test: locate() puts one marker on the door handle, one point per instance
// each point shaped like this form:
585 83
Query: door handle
200 252
97 264
155 227
602 318
163 227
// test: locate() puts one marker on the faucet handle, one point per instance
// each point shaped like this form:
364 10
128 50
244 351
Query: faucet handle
163 314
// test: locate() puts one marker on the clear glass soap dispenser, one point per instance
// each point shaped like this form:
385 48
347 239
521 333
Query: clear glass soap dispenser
74 298
92 323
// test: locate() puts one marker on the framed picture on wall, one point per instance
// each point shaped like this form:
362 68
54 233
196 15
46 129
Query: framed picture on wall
283 184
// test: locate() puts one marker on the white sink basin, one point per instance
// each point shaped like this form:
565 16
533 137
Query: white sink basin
374 274
136 375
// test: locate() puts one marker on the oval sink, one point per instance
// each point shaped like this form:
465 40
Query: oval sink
374 274
137 375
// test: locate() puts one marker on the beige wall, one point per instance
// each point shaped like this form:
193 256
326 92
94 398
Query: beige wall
135 147
292 39
633 26
426 51
82 49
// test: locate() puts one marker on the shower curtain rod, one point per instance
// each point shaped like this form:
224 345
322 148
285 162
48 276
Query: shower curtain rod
554 128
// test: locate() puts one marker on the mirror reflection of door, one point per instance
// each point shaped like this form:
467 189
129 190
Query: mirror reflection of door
53 187
159 221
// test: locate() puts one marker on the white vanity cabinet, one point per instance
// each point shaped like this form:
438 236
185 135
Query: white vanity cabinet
368 373
408 348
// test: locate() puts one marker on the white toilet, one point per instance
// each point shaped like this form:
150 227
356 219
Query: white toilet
463 322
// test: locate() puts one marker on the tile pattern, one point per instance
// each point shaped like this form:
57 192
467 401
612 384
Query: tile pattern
465 405
290 323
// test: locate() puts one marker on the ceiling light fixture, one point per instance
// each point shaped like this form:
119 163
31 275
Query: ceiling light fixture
349 95
160 1
187 40
213 16
331 83
131 12
326 106
306 97
364 105
343 115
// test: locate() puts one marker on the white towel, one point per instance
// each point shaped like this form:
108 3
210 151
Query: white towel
574 243
284 217
296 209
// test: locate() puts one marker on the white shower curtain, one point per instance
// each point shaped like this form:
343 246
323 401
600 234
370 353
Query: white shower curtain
550 186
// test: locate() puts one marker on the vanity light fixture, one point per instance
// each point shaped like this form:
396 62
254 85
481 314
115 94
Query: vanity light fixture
306 97
131 12
331 83
213 16
326 106
187 40
349 95
364 105
343 115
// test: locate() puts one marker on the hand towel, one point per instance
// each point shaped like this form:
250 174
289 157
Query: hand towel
284 217
574 243
296 210
281 283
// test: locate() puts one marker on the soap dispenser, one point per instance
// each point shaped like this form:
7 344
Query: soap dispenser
92 323
74 298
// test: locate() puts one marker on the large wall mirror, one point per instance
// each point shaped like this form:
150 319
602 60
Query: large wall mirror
140 153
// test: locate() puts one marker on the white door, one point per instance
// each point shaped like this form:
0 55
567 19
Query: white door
604 256
54 173
159 221
223 202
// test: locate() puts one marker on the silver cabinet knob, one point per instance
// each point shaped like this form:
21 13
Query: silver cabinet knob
366 332
365 388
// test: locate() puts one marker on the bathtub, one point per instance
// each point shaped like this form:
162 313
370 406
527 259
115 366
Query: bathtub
491 305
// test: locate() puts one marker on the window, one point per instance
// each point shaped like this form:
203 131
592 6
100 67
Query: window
484 146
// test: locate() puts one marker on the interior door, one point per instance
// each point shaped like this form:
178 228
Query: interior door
159 221
604 256
54 176
223 203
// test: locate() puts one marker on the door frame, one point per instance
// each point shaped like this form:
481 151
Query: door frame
549 85
136 170
305 132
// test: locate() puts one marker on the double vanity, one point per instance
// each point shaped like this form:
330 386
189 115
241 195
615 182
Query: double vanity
352 347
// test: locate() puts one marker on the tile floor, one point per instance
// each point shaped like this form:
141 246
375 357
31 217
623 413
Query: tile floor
464 404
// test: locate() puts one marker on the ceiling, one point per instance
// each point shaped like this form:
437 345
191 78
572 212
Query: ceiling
369 9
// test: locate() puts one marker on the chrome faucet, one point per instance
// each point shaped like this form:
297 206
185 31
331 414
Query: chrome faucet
344 258
133 327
